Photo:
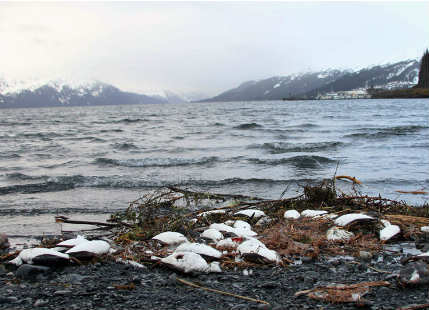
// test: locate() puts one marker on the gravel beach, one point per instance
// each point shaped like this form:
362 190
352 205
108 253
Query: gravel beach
110 285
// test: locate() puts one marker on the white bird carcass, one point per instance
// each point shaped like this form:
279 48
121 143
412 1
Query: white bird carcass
389 231
291 214
253 249
40 256
72 242
199 248
251 213
170 238
313 213
89 249
212 234
186 262
347 219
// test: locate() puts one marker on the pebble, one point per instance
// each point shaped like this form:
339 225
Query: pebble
40 303
4 241
365 255
62 292
31 272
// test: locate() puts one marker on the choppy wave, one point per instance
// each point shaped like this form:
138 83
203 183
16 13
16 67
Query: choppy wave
111 130
63 183
380 133
124 146
156 162
131 120
6 123
9 155
248 126
304 161
284 147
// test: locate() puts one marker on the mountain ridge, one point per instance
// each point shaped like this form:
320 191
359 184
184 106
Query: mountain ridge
310 85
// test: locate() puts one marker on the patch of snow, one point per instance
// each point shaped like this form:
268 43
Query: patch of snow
346 219
170 238
277 85
291 214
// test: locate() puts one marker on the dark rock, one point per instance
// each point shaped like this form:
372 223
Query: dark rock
4 241
269 285
72 278
2 270
416 273
31 272
172 279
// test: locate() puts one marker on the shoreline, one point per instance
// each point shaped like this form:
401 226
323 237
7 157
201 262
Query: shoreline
308 261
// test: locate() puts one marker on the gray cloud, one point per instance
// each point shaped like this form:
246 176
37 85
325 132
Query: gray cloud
208 46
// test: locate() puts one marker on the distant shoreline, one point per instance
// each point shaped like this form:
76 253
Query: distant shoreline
408 93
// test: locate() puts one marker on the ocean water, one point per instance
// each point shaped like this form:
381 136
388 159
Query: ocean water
86 162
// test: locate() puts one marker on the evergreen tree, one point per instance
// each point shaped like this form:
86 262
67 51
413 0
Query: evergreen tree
424 71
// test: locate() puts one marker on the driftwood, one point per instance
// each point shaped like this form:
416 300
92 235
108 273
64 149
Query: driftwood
63 219
191 284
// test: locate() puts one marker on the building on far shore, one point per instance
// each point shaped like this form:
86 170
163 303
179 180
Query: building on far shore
359 93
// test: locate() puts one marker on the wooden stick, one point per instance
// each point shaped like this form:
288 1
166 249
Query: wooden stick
353 179
412 192
220 292
210 195
378 270
63 219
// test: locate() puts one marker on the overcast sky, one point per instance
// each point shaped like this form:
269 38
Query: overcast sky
203 46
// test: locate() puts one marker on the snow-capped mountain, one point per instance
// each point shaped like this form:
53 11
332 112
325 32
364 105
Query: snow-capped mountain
62 93
403 74
399 75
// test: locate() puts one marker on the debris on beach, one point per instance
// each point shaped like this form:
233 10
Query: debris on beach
414 273
343 293
167 228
